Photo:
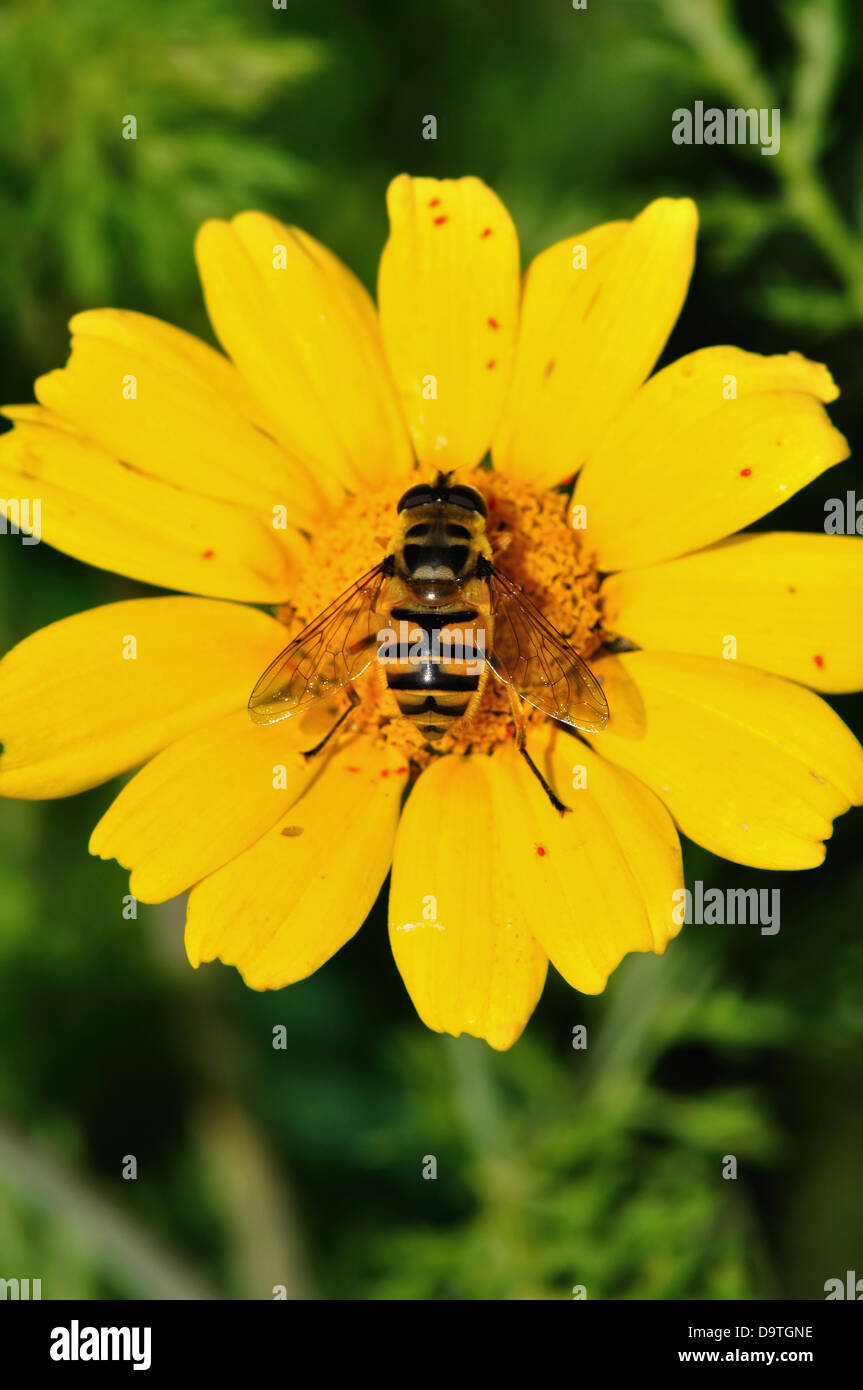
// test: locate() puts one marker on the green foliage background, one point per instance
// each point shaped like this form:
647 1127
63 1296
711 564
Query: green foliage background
303 1167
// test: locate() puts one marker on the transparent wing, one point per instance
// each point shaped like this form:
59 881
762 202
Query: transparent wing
530 655
333 650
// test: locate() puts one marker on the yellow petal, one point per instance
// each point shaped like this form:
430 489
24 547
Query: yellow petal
751 766
291 901
108 514
683 465
190 422
303 332
790 602
202 801
460 942
597 310
77 707
597 882
448 296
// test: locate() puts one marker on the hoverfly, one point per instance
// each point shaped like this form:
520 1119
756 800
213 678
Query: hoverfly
436 579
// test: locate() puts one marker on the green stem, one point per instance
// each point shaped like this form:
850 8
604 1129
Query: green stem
708 28
811 206
134 1257
502 1183
250 1186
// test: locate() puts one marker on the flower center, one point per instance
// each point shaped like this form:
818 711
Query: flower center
532 544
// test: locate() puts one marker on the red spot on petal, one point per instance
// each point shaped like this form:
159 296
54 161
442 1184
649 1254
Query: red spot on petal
207 554
490 365
351 769
541 851
746 472
486 231
593 299
434 202
439 221
819 661
385 772
401 769
492 323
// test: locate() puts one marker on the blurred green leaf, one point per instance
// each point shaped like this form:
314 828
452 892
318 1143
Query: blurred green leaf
88 215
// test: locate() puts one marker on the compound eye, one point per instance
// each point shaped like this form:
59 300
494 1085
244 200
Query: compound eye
415 497
469 498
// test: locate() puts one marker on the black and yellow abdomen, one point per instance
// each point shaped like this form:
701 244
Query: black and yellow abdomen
437 672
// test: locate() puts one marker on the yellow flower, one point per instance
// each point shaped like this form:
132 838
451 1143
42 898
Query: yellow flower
269 476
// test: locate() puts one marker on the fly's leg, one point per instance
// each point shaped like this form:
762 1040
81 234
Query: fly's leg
520 735
354 700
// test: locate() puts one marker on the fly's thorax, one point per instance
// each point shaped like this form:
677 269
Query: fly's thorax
437 549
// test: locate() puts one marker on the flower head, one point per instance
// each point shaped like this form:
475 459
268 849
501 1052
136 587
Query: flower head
260 484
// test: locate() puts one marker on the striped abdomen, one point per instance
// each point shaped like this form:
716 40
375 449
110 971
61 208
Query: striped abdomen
436 666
